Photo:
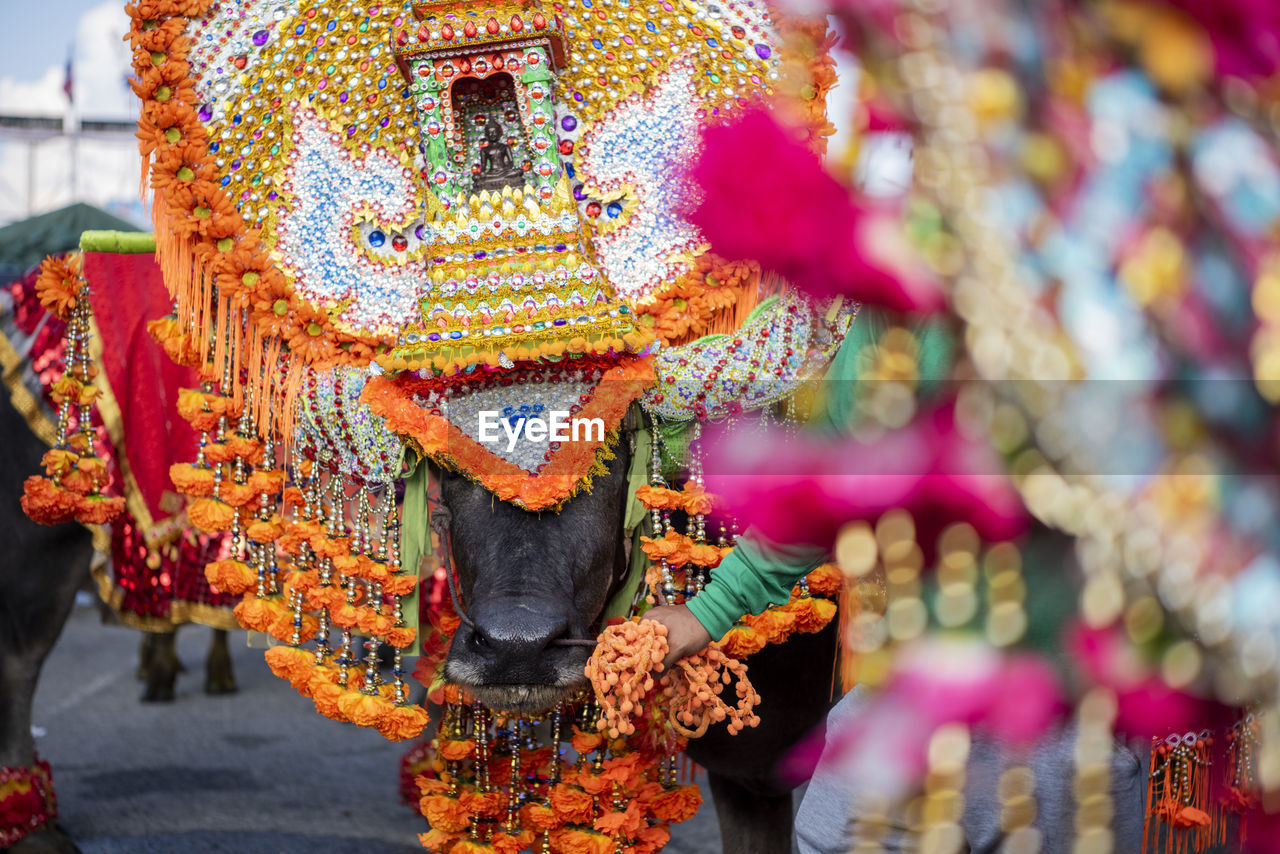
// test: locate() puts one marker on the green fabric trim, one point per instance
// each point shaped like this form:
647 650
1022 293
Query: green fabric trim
620 604
634 525
676 438
117 242
415 538
638 476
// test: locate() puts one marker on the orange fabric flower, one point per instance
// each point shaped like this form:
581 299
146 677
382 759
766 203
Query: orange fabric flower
402 637
540 817
507 843
210 515
584 742
59 461
445 813
696 500
98 510
811 613
572 840
78 482
471 846
652 839
400 585
659 497
257 614
288 662
826 580
571 804
326 546
237 494
270 482
363 709
625 823
46 503
439 841
282 628
230 576
373 623
324 694
774 624
192 480
403 722
266 530
486 804
455 750
742 641
624 770
310 339
376 570
676 805
59 284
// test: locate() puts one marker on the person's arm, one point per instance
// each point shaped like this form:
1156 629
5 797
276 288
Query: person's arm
755 575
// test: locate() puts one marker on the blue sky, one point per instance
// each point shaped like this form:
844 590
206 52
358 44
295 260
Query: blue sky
38 35
31 44
33 61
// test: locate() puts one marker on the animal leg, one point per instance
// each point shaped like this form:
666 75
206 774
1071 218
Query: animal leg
218 675
162 669
146 649
45 840
751 821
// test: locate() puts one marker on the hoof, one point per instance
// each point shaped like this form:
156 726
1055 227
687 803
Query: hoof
219 677
47 840
220 683
159 690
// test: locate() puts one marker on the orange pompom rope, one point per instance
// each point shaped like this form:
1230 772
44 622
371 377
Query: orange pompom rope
621 672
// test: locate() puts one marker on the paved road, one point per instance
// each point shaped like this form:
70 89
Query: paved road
258 772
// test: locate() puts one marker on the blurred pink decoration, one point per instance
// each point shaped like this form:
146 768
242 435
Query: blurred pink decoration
1146 706
1261 831
803 488
765 196
1013 699
1245 34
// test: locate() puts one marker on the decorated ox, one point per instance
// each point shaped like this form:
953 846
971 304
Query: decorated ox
154 579
44 568
529 580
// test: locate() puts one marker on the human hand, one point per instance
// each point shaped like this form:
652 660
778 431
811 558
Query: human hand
685 635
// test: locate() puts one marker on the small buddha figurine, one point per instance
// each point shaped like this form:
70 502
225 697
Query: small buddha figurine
497 168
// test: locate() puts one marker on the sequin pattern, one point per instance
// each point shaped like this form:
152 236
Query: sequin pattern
786 342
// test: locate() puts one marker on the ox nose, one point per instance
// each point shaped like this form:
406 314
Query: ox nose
511 638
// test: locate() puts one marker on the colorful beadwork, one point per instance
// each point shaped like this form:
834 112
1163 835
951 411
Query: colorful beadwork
785 342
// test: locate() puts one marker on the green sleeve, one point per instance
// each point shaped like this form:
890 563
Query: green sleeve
755 575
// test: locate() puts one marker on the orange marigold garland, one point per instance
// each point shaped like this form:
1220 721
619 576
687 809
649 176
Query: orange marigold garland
485 785
75 477
681 564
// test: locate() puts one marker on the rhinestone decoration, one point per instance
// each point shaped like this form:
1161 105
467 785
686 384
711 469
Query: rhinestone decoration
788 341
330 417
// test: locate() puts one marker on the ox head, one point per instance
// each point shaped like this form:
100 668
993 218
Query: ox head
529 581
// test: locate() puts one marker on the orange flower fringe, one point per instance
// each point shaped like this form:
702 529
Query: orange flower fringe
558 481
621 672
76 478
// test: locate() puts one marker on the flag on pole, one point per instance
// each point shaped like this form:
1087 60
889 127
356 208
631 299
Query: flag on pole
67 84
